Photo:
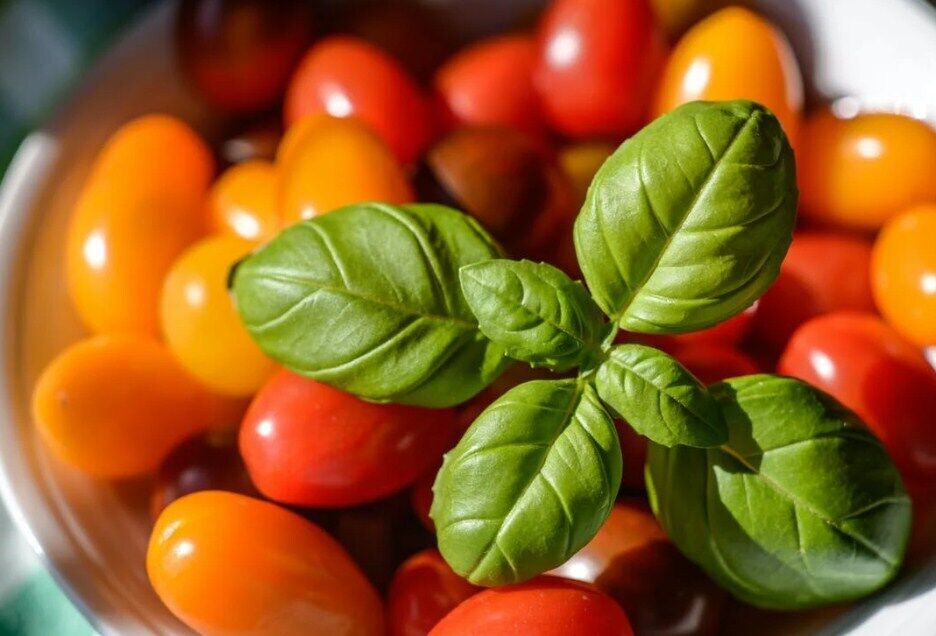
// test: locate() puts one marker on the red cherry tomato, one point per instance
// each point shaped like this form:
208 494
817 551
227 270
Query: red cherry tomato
345 76
309 444
598 61
822 272
712 363
421 497
422 592
871 369
491 83
634 454
545 606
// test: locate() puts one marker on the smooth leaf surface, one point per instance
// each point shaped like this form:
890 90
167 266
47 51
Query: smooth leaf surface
659 398
687 222
529 484
367 299
535 311
802 507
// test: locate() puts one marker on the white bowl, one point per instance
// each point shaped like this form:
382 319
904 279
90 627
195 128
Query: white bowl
878 53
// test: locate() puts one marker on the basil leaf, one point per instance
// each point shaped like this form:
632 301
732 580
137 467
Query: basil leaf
801 508
366 298
687 222
659 398
536 312
529 484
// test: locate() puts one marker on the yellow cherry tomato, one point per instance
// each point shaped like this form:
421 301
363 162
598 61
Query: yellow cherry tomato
903 274
142 205
115 405
860 172
735 54
581 161
245 201
201 324
327 163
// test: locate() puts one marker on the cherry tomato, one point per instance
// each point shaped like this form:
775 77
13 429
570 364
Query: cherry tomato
712 363
903 271
634 454
239 53
422 592
256 142
598 60
491 82
345 76
545 606
327 163
421 497
308 444
245 201
735 54
860 172
581 161
872 370
822 272
201 325
115 405
631 559
227 564
141 206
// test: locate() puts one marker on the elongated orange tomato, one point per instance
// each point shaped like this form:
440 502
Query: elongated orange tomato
227 564
141 206
115 405
327 163
245 201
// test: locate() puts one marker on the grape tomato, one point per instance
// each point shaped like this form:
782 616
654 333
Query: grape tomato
424 589
244 201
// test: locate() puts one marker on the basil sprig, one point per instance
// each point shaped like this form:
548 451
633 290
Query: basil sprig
768 484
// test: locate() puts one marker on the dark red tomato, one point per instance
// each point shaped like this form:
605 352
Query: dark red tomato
240 53
545 606
597 64
713 363
871 369
345 76
822 272
421 497
634 453
308 444
491 83
660 590
422 592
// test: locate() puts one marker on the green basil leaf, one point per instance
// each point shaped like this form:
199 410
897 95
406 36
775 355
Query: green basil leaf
659 398
536 312
687 222
367 299
802 507
529 484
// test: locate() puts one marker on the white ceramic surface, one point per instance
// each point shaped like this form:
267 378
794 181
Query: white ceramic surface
877 53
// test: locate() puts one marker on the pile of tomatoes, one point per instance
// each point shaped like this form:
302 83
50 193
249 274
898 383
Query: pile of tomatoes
284 506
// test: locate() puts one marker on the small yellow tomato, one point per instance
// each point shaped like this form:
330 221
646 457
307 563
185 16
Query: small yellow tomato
201 324
245 201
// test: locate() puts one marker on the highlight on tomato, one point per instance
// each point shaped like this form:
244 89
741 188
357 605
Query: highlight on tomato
244 201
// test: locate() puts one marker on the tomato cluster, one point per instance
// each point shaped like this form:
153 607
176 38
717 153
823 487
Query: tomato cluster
510 129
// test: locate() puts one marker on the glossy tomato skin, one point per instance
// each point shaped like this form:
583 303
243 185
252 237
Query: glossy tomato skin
228 564
244 201
545 606
632 560
308 444
424 589
735 54
344 76
871 369
859 172
491 83
903 273
822 272
132 219
598 61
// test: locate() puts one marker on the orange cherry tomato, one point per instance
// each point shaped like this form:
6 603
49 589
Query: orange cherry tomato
115 405
903 272
860 172
327 163
227 564
201 324
491 83
545 606
346 76
734 54
245 201
424 589
142 205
